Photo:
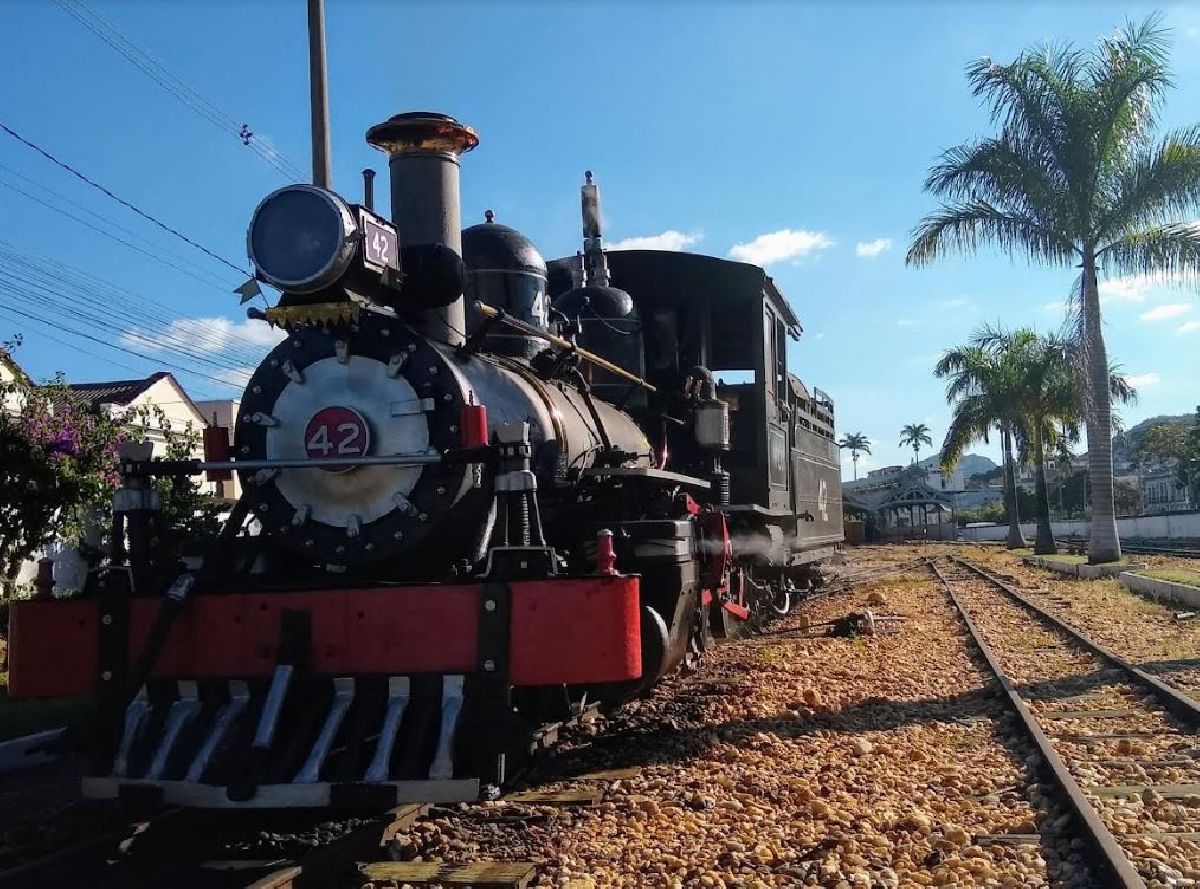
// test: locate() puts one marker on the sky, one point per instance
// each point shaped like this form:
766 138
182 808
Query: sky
792 134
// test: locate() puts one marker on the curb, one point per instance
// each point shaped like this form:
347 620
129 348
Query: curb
1087 572
1161 589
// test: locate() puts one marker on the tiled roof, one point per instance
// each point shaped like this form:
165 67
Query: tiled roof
121 392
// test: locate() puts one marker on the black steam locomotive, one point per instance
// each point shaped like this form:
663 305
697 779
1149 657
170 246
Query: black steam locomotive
480 492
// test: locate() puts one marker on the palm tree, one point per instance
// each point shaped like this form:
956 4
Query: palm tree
855 442
1074 179
1049 401
913 436
1051 405
984 387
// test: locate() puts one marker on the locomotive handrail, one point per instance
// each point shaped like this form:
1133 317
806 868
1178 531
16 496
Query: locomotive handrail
195 467
590 357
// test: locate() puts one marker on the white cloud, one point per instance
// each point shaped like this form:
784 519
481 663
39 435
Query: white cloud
953 303
668 240
780 245
871 249
1131 288
1188 327
1161 313
819 336
1059 306
208 336
907 322
1139 381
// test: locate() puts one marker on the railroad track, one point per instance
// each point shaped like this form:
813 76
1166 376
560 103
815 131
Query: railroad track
179 848
1080 543
1120 745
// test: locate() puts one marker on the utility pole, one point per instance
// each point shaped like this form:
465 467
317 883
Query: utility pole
318 92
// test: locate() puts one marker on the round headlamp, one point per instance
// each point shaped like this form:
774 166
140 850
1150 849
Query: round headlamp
301 238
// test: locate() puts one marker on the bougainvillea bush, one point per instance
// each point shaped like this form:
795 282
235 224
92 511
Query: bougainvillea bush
57 466
58 470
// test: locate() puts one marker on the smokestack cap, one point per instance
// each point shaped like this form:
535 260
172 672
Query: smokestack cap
422 131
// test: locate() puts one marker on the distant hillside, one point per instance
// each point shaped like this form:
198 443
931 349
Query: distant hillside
1125 445
970 464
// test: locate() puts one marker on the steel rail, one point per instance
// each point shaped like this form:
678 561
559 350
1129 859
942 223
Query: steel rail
1111 855
1183 706
1136 548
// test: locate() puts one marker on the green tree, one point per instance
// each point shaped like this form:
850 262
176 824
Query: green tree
58 471
56 463
1047 398
855 443
984 390
1177 446
1051 406
913 435
1074 179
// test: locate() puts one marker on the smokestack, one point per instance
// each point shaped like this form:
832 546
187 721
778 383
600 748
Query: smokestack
595 265
423 150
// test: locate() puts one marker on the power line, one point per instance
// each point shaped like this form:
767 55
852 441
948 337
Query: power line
4 311
60 280
80 310
94 184
168 259
70 289
176 86
108 345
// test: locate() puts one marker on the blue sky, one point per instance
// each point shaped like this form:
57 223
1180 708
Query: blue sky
709 126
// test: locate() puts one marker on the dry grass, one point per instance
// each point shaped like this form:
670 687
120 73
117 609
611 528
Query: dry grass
1174 575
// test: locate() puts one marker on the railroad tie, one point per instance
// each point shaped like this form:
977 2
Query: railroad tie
478 874
556 797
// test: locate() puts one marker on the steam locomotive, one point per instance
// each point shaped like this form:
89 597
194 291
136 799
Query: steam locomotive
482 492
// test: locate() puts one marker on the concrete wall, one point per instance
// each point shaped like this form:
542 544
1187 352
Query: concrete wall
1180 524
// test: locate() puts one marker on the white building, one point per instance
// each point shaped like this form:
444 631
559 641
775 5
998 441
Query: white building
223 412
1163 492
123 398
11 373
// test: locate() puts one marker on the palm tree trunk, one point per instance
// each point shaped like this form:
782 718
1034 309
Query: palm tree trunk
854 457
1044 544
1016 540
1104 545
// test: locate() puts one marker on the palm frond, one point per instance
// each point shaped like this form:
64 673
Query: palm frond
1128 78
1158 184
1007 171
1119 386
963 226
970 421
1026 96
1171 251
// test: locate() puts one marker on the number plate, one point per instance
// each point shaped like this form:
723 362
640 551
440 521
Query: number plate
337 432
381 245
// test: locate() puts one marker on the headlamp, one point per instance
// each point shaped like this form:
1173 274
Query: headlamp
302 238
